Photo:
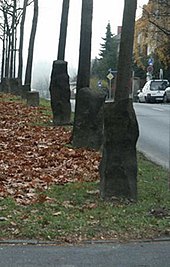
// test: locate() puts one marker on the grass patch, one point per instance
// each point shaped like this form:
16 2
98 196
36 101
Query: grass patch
75 212
6 97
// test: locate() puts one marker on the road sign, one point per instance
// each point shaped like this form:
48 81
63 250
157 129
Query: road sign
150 61
150 69
110 76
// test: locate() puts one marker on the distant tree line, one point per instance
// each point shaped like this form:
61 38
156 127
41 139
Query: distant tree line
13 14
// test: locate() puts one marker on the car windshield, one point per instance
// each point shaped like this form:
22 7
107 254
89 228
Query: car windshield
158 85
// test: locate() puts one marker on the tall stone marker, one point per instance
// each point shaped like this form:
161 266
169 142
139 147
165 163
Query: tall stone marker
88 125
60 93
118 168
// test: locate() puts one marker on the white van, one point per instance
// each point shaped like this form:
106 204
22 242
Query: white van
153 91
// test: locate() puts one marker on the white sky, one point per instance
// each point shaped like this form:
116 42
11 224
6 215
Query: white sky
46 44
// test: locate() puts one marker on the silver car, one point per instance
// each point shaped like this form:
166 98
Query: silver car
153 91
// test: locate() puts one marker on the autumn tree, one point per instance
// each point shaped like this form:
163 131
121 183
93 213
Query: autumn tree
152 37
158 14
118 168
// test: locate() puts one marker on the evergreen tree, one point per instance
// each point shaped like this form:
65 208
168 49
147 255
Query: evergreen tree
106 47
107 56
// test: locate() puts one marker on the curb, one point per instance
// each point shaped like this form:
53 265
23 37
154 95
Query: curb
87 242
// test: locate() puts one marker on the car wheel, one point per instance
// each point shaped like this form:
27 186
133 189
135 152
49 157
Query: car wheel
147 99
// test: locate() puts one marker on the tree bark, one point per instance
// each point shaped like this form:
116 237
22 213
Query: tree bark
12 45
31 44
3 54
7 37
20 64
63 30
83 78
118 168
123 84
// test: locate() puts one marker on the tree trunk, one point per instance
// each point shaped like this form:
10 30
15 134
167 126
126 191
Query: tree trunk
21 41
83 78
123 84
31 44
118 168
63 30
7 55
59 84
3 54
7 43
12 46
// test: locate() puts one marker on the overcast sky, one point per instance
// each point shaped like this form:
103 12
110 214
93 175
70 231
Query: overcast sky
46 45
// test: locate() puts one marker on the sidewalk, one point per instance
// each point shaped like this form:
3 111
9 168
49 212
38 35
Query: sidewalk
91 254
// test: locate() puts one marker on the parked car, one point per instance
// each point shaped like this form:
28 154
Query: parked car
153 91
141 97
166 98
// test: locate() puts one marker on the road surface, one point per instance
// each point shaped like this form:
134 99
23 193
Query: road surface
143 254
154 127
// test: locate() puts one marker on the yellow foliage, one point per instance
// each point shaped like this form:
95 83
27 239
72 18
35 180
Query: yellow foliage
151 34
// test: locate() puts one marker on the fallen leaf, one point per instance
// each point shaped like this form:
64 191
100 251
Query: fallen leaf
57 213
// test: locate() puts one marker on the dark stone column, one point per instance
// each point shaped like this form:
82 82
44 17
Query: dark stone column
24 90
11 85
88 125
60 93
5 85
118 168
33 98
15 86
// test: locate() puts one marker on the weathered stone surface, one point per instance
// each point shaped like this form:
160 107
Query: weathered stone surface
60 93
24 90
88 125
118 168
33 98
5 86
11 85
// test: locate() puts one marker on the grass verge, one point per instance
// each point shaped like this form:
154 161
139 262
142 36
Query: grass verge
75 212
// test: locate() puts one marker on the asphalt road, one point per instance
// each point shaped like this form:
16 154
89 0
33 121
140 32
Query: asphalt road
146 254
154 127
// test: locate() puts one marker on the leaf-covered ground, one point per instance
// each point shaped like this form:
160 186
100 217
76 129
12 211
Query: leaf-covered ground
50 191
33 156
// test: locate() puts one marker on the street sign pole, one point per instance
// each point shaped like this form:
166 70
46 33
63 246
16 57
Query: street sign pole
110 89
110 77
